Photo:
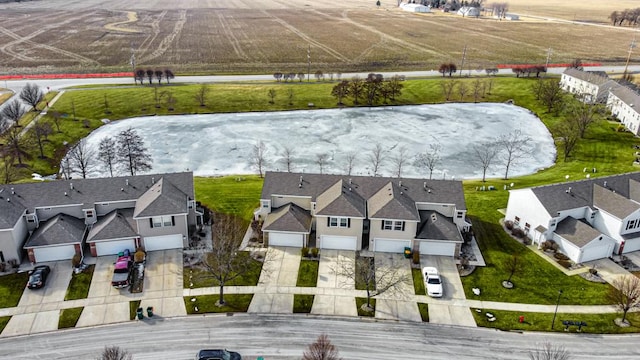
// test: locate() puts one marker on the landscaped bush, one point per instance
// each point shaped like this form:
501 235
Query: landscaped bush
314 252
508 224
560 256
550 245
517 232
304 252
565 263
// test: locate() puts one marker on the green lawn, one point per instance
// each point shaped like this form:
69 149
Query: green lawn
596 323
133 309
302 303
207 303
4 320
424 311
69 317
308 273
79 284
418 282
228 195
200 277
11 288
362 301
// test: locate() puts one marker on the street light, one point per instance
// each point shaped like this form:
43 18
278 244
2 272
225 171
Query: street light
553 322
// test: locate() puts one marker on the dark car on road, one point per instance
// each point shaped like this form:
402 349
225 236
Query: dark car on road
38 276
218 354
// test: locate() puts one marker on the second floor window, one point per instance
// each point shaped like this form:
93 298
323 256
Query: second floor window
393 225
339 222
632 224
161 221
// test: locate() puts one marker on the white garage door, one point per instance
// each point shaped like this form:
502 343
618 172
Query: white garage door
164 242
390 245
286 239
338 242
596 252
54 253
114 247
437 248
631 245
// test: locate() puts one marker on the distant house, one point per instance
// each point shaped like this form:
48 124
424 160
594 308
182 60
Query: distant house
590 86
624 102
469 11
360 212
510 16
418 8
589 219
56 220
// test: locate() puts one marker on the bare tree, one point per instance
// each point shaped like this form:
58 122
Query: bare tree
340 91
376 278
568 134
350 159
301 76
321 349
132 155
8 171
443 69
169 99
202 94
57 117
272 95
552 95
277 76
41 130
356 89
429 159
476 88
321 160
82 158
158 74
547 351
16 145
290 95
13 112
168 74
107 154
447 88
114 353
32 95
484 155
376 157
462 90
150 73
513 266
514 146
319 75
583 114
225 262
625 294
400 159
139 76
372 86
258 157
287 157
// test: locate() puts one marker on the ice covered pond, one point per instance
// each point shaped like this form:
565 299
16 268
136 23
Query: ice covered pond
220 144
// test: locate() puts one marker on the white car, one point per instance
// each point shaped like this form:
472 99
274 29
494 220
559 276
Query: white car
432 281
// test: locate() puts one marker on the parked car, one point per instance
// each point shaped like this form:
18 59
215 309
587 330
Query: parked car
122 271
38 276
218 354
432 281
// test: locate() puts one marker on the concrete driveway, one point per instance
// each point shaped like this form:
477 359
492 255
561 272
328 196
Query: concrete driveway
444 310
335 296
397 303
280 269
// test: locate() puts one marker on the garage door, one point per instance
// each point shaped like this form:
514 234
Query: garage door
631 245
338 242
54 253
437 248
114 247
390 245
286 239
596 252
164 242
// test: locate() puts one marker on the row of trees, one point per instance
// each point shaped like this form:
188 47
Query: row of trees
507 150
139 75
478 88
318 75
372 90
631 16
125 153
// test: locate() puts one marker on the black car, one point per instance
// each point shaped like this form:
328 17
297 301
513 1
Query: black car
38 276
218 354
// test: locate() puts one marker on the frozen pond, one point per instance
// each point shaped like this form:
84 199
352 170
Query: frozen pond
221 144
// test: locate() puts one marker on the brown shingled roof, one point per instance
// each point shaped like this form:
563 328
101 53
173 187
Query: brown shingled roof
291 218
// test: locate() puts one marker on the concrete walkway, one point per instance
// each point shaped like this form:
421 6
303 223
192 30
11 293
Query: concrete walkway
41 114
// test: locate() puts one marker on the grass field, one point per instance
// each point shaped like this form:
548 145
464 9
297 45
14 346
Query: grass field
11 288
69 317
207 303
215 36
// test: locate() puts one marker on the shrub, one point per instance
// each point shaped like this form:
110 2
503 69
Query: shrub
560 256
304 252
76 260
621 128
508 224
565 263
517 232
593 271
550 245
138 256
526 241
3 266
314 252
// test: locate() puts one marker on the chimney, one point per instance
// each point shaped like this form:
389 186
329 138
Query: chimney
71 186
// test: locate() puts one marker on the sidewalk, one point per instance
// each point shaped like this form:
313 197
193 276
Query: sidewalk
41 114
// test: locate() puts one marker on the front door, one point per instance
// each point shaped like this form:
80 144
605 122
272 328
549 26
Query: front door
365 234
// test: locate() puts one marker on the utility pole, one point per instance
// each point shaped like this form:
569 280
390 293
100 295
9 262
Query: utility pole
464 54
631 46
132 61
309 64
546 64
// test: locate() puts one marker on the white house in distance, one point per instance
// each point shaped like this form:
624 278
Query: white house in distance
623 103
417 8
591 86
590 219
360 212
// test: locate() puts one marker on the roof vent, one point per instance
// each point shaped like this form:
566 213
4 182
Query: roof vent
65 193
12 191
400 183
605 183
424 185
8 200
153 180
301 178
121 189
429 191
71 186
300 185
568 191
126 182
434 217
349 181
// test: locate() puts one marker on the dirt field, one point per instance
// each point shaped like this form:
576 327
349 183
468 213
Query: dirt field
274 35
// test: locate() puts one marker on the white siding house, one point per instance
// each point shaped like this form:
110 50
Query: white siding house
591 87
623 103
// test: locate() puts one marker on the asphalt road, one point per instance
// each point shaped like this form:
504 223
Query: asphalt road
286 337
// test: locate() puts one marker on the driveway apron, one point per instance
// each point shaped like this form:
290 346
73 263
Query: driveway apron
397 303
280 270
330 300
608 269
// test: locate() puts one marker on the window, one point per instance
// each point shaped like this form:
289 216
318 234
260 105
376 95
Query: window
632 224
516 222
265 204
161 221
339 222
460 214
393 225
89 213
192 204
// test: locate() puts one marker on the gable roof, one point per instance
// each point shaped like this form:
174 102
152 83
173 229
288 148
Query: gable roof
291 218
597 78
86 192
615 204
115 225
340 200
312 185
576 231
59 230
11 210
390 202
162 198
627 95
434 226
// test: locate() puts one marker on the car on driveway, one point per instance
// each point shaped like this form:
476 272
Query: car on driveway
432 281
218 354
38 276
